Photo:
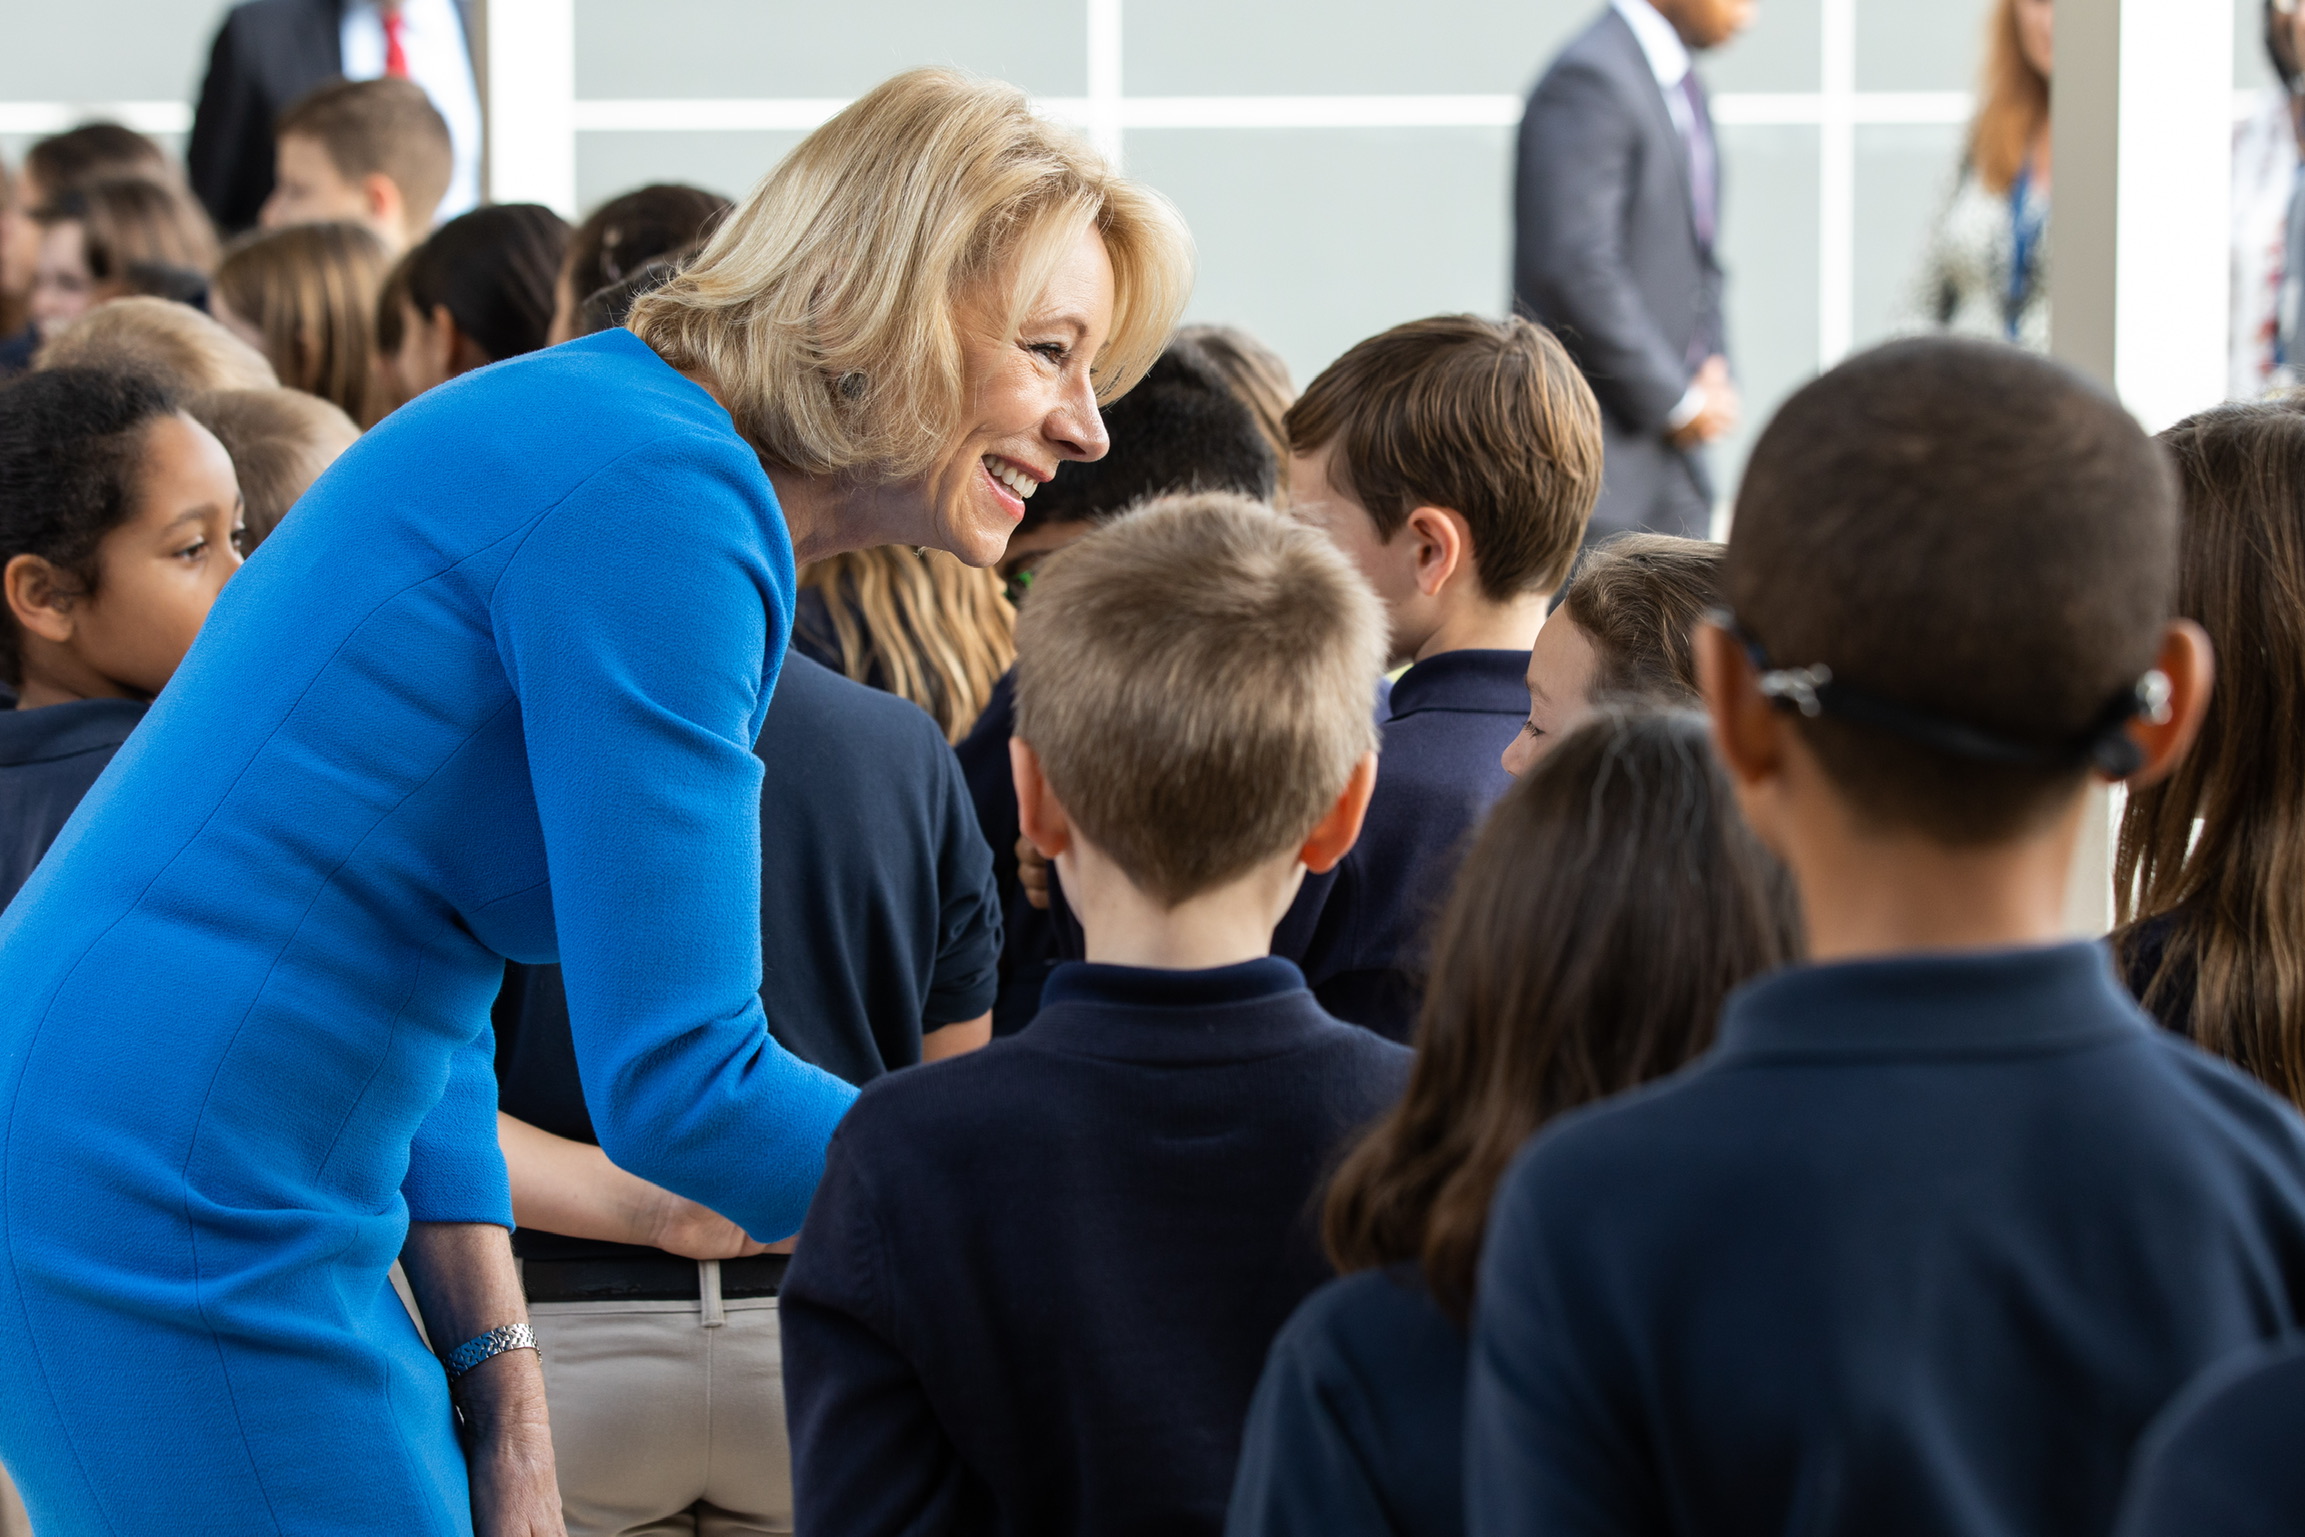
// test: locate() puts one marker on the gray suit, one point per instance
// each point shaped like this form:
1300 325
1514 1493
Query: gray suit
1606 252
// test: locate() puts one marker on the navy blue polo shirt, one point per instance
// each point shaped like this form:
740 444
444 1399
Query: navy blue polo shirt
48 759
1360 930
1920 1247
877 910
1357 1429
1037 1282
2227 1458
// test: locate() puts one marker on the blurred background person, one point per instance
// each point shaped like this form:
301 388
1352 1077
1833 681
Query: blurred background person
1986 271
477 292
624 235
1258 378
268 53
279 441
56 165
184 349
19 251
2265 165
306 298
1616 217
372 151
110 238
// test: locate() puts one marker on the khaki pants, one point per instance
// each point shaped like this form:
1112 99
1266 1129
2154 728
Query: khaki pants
13 1522
665 1420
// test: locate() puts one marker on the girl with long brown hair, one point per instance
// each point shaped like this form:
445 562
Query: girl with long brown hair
1611 903
1987 268
305 297
2210 871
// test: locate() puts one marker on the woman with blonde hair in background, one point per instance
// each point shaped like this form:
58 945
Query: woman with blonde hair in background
917 623
305 297
492 693
1986 272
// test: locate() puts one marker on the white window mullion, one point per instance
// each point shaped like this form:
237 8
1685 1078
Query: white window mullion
1104 77
1837 185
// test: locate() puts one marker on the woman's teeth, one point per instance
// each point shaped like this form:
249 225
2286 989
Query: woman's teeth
1010 476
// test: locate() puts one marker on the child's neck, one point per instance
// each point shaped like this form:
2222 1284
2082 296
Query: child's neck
1474 622
55 676
1876 894
1223 927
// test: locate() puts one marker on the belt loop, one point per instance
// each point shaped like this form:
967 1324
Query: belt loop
708 1293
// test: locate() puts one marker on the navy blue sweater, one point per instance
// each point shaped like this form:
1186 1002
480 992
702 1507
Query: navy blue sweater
48 759
2227 1459
1360 931
1919 1248
1038 1282
1358 1425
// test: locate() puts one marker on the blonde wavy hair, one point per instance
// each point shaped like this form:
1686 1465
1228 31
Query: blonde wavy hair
828 307
920 624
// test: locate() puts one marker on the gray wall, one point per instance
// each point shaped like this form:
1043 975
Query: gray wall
1309 237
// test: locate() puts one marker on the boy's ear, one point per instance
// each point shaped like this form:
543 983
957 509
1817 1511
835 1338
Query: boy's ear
1340 829
380 195
2189 662
41 603
1039 815
1748 732
1443 546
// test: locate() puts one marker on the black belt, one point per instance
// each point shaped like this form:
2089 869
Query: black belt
649 1279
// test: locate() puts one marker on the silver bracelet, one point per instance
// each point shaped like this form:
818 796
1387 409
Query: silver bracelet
494 1343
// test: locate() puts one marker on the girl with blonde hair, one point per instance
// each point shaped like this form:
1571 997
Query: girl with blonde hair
918 623
492 693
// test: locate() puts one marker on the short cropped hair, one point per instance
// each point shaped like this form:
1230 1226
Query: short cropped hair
1196 678
1638 599
1487 418
386 125
1255 374
1964 530
71 449
1181 429
92 152
174 342
310 291
279 441
829 307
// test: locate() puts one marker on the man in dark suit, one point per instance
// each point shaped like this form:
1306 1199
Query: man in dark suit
270 52
1615 213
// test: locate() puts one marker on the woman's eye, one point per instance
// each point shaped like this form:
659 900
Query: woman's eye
1055 352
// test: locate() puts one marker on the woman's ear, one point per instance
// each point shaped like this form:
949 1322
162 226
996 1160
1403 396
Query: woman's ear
2189 662
1040 815
1338 831
39 598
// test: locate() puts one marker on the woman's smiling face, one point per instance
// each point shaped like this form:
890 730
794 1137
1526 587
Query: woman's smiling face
1031 405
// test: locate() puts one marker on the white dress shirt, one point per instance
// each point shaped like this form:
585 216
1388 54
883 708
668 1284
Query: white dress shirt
432 36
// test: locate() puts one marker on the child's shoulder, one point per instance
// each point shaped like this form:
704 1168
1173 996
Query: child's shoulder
959 1097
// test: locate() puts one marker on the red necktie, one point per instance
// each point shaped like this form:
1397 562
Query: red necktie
395 55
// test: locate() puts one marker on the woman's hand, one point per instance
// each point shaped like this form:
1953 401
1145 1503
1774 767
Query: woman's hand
508 1450
679 1225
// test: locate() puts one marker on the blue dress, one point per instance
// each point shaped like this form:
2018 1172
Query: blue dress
531 621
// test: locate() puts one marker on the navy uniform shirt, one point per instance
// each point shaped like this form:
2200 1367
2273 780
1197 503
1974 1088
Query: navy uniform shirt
1358 1425
1037 1282
1033 938
1918 1248
877 913
48 759
1360 931
2227 1458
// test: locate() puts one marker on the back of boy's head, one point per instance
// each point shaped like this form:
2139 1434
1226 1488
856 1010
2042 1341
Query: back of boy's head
70 440
176 343
279 441
62 162
387 126
493 270
1181 429
1973 538
1638 599
627 233
1487 418
1195 679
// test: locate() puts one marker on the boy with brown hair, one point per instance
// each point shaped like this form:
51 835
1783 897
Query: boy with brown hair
1038 1283
375 152
1943 1220
1456 461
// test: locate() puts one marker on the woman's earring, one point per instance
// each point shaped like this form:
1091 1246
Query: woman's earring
853 384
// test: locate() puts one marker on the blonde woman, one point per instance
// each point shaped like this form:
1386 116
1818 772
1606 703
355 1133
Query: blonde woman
492 693
1987 268
305 297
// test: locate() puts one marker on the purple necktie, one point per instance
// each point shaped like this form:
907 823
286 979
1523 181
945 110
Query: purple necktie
1704 163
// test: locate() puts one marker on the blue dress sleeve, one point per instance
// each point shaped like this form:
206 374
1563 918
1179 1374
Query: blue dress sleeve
455 1164
641 622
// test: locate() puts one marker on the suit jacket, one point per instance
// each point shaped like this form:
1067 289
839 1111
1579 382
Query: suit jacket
1606 252
267 54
